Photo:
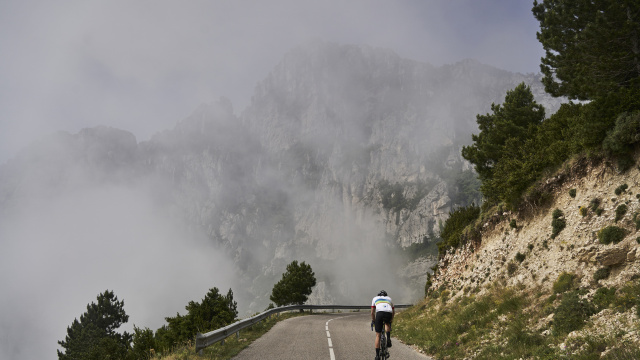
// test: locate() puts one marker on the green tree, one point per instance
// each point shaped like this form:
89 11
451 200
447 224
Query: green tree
143 342
213 312
592 46
295 285
502 134
94 336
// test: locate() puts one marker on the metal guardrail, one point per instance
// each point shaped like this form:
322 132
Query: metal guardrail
212 337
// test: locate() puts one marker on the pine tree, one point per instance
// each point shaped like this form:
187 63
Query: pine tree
508 126
94 336
295 285
592 46
215 311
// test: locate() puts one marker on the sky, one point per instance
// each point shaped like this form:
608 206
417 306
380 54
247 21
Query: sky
144 65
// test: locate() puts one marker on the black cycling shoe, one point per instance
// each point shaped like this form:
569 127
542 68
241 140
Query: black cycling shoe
377 357
388 343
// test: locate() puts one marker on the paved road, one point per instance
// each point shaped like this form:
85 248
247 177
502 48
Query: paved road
345 336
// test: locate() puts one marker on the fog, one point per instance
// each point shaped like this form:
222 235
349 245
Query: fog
59 253
143 66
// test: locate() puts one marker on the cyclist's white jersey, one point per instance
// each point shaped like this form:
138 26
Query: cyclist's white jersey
382 303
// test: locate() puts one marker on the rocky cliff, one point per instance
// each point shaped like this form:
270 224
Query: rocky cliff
346 156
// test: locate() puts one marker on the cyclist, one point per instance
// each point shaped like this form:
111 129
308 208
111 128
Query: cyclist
382 311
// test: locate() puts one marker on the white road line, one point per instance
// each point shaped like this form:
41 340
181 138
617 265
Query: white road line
326 326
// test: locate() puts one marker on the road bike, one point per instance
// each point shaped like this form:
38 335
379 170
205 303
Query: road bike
384 351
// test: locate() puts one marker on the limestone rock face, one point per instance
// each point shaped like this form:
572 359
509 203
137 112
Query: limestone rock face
612 256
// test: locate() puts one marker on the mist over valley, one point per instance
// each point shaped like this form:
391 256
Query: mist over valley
347 157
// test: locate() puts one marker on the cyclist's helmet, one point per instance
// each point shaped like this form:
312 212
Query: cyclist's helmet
382 293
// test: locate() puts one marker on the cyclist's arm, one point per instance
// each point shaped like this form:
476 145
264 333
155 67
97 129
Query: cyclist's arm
373 313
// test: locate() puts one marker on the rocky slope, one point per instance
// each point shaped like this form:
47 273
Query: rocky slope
527 256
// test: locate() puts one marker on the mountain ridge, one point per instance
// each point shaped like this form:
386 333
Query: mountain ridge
346 153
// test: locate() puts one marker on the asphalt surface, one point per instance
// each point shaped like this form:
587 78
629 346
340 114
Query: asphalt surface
346 336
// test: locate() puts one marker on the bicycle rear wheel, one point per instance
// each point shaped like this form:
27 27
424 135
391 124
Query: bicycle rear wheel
384 354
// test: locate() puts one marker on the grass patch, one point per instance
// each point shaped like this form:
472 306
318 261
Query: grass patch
503 323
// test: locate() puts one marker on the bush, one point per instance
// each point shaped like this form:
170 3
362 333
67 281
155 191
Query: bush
621 211
558 223
599 211
583 211
520 257
571 313
563 283
611 234
603 297
572 193
594 204
511 268
454 227
622 138
601 273
636 221
513 224
621 189
628 296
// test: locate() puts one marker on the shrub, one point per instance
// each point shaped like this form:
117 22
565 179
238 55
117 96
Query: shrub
513 224
611 234
583 211
599 211
594 204
636 221
628 296
601 273
572 193
511 268
621 211
453 229
563 283
520 257
444 296
428 284
558 223
571 313
621 189
603 297
620 140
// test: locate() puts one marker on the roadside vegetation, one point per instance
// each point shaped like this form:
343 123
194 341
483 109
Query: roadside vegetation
515 323
95 335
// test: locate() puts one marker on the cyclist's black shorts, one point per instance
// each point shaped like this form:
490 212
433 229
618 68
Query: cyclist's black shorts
382 316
